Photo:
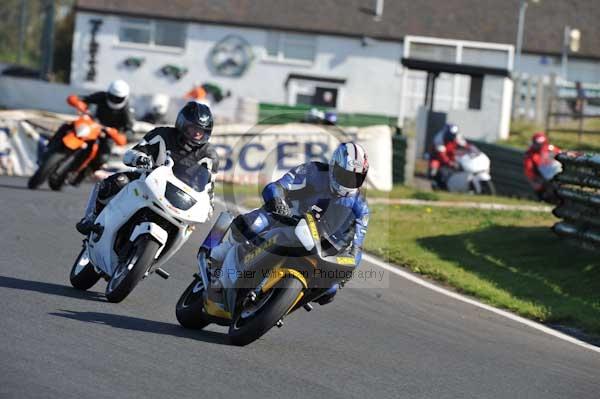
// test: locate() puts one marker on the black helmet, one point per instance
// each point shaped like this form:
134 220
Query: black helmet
195 123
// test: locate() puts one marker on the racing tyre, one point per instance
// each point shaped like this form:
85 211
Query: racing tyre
487 188
47 167
83 275
252 323
128 273
57 178
190 306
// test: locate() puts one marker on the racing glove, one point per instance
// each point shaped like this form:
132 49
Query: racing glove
278 207
144 161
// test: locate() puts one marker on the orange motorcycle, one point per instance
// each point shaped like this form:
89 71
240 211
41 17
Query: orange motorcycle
69 157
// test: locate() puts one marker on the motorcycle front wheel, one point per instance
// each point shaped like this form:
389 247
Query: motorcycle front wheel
47 167
488 188
252 323
190 306
83 275
128 273
57 178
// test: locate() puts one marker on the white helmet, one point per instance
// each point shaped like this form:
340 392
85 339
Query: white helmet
117 94
348 169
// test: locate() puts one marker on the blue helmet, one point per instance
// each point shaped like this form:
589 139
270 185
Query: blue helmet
451 133
348 169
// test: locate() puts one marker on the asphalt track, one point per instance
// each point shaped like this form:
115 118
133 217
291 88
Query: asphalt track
400 341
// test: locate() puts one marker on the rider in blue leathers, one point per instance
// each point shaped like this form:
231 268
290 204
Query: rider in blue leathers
338 182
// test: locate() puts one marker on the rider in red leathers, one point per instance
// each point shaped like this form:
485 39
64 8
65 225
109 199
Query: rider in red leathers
539 152
442 161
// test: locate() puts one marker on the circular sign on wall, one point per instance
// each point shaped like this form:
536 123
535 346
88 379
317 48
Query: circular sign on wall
231 56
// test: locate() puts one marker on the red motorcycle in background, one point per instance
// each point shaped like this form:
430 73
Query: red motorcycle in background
68 159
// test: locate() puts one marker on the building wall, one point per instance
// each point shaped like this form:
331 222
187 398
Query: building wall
491 122
371 72
585 71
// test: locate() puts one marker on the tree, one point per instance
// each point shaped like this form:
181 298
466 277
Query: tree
63 43
10 15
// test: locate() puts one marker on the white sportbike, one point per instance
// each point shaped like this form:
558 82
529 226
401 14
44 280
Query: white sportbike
473 174
141 228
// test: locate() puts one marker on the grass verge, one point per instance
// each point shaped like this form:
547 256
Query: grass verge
521 132
507 259
250 191
413 193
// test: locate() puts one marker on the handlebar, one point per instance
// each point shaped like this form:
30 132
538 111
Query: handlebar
169 162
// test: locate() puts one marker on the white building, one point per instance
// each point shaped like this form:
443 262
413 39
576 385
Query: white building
285 67
339 54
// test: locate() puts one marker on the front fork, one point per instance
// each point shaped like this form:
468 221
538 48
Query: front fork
202 268
90 209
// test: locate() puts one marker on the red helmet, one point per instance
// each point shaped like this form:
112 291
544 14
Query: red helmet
538 140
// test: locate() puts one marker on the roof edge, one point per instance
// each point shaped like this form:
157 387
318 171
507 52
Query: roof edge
394 39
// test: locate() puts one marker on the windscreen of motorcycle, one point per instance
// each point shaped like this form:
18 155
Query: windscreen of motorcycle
336 224
550 168
178 197
474 162
197 177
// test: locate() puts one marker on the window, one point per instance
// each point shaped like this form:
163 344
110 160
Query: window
432 52
475 92
135 31
317 91
485 57
152 33
290 47
169 33
318 96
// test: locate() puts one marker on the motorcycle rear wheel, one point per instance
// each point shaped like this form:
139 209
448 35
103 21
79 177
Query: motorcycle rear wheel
190 306
83 275
245 330
130 272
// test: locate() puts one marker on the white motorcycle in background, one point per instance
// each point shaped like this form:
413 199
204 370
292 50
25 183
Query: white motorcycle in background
548 169
141 228
473 174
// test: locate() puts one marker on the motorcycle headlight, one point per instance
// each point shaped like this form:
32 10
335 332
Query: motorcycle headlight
82 130
303 233
178 198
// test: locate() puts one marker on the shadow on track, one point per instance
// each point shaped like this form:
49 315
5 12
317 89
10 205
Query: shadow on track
143 325
19 187
49 288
